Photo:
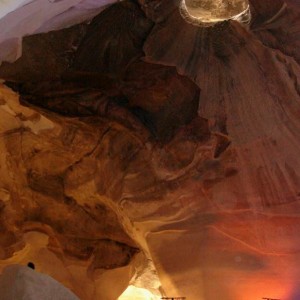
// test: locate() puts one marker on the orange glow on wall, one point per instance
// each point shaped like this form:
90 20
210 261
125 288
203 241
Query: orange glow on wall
264 288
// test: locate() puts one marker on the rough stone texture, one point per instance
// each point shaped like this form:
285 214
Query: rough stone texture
37 154
157 10
113 40
250 93
162 99
212 199
157 96
264 11
283 33
52 52
19 18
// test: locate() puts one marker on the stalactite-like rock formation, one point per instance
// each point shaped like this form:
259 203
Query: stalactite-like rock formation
162 140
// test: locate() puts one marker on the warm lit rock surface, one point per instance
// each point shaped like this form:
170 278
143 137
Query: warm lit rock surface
37 154
212 198
249 247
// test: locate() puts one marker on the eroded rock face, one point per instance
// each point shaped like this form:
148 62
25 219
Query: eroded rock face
20 18
282 33
35 158
110 51
205 184
246 90
57 47
148 95
265 11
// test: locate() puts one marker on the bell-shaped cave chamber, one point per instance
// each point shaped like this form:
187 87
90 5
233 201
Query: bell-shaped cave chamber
209 12
141 157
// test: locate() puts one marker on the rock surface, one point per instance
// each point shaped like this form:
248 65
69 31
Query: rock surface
26 17
35 160
111 51
248 92
205 184
58 49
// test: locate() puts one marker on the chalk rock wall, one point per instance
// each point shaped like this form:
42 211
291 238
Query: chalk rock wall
39 221
176 140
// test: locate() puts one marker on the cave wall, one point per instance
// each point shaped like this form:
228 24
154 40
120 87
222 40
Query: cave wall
39 221
157 136
27 17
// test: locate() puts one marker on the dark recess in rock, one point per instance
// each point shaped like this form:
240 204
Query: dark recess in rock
44 56
263 11
113 40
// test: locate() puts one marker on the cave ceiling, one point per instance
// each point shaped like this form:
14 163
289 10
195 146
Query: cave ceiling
140 149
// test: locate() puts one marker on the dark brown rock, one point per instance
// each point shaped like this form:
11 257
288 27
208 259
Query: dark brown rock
156 96
158 10
160 97
263 11
246 88
282 33
114 39
44 56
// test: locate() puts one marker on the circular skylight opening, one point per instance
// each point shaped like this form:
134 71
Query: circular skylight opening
210 12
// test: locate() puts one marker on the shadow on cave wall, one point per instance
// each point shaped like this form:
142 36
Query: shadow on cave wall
105 76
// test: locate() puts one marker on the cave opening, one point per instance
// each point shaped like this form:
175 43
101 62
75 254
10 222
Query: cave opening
206 13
